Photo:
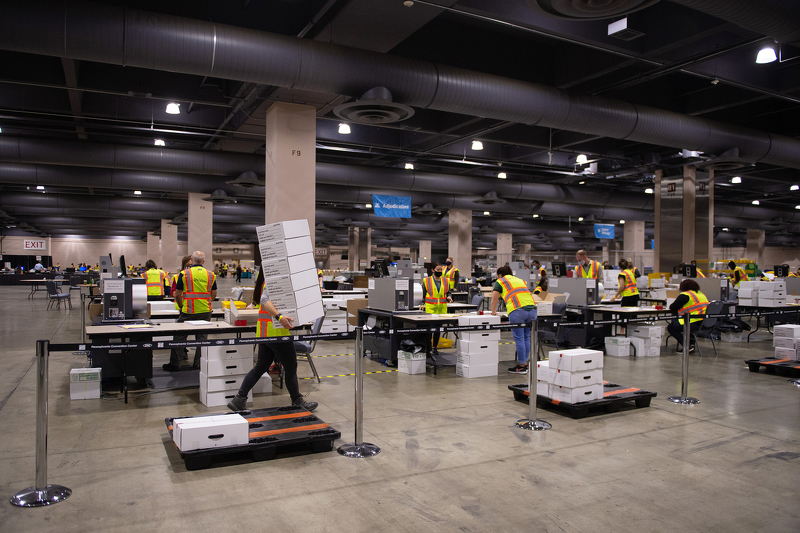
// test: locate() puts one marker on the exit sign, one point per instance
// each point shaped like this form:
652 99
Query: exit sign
35 245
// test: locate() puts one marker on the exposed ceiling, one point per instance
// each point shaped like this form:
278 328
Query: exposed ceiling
62 113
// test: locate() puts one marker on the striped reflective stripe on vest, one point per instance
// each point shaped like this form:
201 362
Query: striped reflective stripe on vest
430 288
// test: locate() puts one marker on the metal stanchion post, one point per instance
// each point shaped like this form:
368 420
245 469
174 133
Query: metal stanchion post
41 494
83 325
532 423
359 448
684 398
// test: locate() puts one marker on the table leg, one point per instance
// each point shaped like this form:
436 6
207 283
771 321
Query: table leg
124 376
758 323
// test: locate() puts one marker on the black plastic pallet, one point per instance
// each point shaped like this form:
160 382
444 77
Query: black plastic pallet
614 397
775 365
270 430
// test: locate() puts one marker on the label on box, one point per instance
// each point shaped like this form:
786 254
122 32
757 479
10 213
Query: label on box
401 285
278 231
371 284
84 374
275 267
114 286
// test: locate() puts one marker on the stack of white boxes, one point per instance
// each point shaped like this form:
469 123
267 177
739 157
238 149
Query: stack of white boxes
290 275
84 383
222 369
771 294
410 362
478 351
786 340
618 346
544 378
646 340
577 375
335 317
204 432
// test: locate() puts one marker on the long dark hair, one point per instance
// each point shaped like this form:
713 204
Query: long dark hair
259 288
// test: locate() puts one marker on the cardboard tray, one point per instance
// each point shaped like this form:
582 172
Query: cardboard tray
614 397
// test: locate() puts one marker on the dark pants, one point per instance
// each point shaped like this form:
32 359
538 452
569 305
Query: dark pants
675 329
154 297
286 355
629 301
175 354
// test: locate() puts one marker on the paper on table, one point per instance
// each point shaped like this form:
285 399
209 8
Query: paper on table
136 326
198 322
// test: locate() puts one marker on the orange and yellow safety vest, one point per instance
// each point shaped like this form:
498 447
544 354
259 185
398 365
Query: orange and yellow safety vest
629 289
515 293
449 273
435 299
197 283
591 272
156 280
264 327
696 305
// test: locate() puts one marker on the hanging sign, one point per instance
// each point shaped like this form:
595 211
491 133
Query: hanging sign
391 206
604 231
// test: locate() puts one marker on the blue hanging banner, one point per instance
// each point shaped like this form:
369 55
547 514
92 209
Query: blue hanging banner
391 206
604 231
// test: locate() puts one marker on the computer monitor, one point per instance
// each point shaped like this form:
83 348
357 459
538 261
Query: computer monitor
122 266
382 266
559 270
689 271
781 271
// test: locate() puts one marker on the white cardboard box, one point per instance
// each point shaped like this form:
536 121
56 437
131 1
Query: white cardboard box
411 366
544 372
476 371
575 395
283 266
786 353
221 353
578 379
784 342
543 388
228 367
205 432
477 359
287 248
747 293
291 283
640 345
333 328
411 356
653 332
771 303
214 399
84 383
478 347
544 308
771 294
576 360
618 341
263 385
615 350
278 231
787 330
477 320
655 351
480 336
311 312
749 302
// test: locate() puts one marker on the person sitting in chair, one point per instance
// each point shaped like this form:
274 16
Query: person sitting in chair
691 301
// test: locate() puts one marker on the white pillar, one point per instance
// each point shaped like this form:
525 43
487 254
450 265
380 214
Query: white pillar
201 226
460 239
504 248
756 239
154 248
424 252
170 261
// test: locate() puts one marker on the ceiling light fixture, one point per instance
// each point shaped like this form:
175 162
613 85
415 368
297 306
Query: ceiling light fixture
581 160
621 221
580 219
368 206
137 193
487 213
173 108
766 55
1 130
502 175
736 179
160 142
344 129
725 229
409 166
581 182
794 187
537 216
797 207
648 191
756 202
477 145
40 187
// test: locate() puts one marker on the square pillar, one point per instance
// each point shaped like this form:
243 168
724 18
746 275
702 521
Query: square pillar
424 252
633 236
688 223
756 239
459 245
170 258
201 226
154 248
504 248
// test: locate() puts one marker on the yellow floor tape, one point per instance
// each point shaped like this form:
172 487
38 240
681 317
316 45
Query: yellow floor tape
348 375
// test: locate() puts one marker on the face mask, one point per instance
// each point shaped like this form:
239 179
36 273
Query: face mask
437 274
448 263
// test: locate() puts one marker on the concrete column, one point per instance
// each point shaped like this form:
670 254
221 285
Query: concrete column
352 248
201 226
290 163
525 253
755 246
154 248
459 245
689 211
633 236
170 260
365 256
424 252
605 252
657 221
504 248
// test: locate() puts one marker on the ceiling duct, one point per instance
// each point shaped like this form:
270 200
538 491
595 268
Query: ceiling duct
589 9
218 196
728 161
426 209
247 180
374 107
774 18
490 198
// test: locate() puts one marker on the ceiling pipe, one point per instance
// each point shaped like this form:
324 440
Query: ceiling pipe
122 36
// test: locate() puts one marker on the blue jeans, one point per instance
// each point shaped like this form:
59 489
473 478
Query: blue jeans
522 336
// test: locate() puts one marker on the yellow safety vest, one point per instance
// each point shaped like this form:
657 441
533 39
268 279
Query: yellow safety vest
742 277
264 328
792 275
515 293
197 283
449 274
629 289
696 306
700 274
156 279
542 271
590 272
174 283
537 290
435 299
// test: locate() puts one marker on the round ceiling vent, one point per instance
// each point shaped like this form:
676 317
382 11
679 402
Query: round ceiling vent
589 9
247 179
374 107
490 198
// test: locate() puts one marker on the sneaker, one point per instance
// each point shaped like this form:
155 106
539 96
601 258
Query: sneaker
679 349
170 368
691 348
434 352
300 402
238 403
519 369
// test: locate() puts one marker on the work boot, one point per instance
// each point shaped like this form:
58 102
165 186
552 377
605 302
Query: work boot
239 403
300 402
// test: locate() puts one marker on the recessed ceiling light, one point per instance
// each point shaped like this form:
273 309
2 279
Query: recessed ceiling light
367 205
580 219
40 187
648 191
581 182
725 229
173 108
487 213
137 193
409 166
159 142
537 216
582 159
736 179
1 130
344 129
621 221
477 145
797 207
766 55
502 175
756 202
794 187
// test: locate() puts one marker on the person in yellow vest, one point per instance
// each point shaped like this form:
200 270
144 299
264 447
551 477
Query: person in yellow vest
185 262
521 309
738 274
435 296
451 273
699 272
271 323
319 277
587 268
794 274
537 266
156 281
195 289
627 285
690 300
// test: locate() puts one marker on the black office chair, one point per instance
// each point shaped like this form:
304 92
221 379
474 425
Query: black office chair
709 327
74 283
305 348
56 296
549 335
477 300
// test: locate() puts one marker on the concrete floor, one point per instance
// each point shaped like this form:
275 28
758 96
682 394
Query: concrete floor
451 459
